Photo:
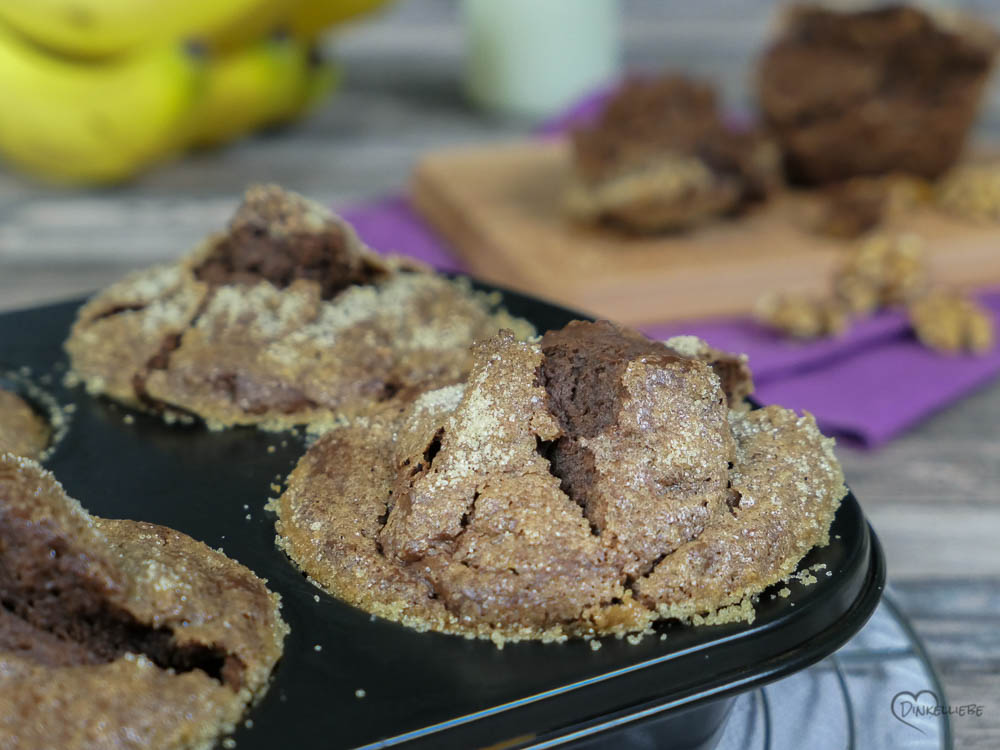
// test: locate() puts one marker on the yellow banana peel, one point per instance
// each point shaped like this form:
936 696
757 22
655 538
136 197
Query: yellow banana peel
247 89
95 122
107 28
311 17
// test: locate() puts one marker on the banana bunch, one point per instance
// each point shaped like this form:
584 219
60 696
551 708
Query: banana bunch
97 90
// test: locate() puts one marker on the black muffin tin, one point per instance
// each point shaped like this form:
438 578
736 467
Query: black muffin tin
348 680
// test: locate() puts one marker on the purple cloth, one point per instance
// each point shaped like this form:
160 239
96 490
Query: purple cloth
867 386
391 225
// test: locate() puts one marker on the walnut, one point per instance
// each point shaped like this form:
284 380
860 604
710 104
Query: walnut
857 293
802 317
971 192
881 271
949 321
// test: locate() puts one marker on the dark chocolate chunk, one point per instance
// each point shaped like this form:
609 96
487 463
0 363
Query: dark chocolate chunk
276 238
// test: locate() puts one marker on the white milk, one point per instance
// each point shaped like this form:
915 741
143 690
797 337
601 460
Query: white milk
533 57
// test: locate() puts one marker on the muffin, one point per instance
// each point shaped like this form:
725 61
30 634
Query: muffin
121 633
286 318
22 430
872 92
660 158
587 483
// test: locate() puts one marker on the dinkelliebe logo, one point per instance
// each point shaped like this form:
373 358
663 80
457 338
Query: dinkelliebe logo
910 707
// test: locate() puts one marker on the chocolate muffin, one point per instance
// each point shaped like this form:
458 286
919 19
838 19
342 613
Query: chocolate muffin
286 318
661 158
22 430
874 91
121 634
587 483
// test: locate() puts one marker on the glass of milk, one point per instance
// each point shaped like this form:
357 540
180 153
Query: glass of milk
531 58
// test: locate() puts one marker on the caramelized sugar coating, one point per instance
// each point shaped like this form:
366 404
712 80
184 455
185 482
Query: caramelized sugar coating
661 158
286 318
873 91
587 483
22 430
121 633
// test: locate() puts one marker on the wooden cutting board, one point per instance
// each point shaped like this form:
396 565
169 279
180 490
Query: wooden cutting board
500 207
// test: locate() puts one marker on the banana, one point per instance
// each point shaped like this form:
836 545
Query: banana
93 122
321 78
311 17
256 86
103 28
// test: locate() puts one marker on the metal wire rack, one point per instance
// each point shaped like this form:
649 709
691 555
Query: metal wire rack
846 701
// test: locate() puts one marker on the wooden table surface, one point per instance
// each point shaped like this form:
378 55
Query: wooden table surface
933 495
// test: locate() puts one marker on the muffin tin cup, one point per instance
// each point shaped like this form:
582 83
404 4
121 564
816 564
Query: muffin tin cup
349 680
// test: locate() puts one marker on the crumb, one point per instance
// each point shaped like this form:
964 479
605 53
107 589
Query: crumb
805 577
316 598
229 743
248 723
595 645
317 647
785 592
128 419
270 449
360 693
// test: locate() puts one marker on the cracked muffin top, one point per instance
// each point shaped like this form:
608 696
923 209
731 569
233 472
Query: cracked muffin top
118 633
286 318
589 482
22 430
661 157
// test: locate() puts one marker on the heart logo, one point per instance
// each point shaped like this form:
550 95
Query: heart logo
906 704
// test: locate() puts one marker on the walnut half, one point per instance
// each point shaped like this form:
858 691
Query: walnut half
949 321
